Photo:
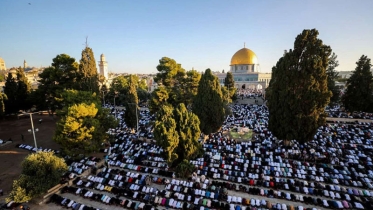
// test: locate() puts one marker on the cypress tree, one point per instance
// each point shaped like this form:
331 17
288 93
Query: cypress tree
358 96
230 86
298 93
332 76
23 89
3 98
187 126
208 104
88 71
131 104
10 90
165 132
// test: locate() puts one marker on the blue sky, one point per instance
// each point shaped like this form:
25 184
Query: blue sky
202 34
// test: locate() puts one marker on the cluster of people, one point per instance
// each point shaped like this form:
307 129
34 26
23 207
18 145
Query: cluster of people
334 170
338 112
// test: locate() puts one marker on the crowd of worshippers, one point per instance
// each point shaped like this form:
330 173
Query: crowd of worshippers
332 171
249 93
338 112
34 149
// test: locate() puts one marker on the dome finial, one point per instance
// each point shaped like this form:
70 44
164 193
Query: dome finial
244 45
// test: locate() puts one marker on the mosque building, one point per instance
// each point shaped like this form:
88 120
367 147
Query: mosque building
245 69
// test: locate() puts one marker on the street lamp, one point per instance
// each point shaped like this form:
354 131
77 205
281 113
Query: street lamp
33 130
137 119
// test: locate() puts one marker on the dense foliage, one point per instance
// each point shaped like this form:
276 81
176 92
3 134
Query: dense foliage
208 104
40 172
175 85
358 95
3 98
63 74
332 77
83 124
229 85
165 132
177 132
298 92
17 88
131 114
88 75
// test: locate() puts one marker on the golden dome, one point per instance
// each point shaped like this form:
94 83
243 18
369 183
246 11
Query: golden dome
243 57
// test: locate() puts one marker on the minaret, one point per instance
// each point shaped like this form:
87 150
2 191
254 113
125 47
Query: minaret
102 64
2 64
24 64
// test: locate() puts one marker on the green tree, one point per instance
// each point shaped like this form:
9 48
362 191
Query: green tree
37 99
185 169
83 124
159 97
63 74
17 88
189 87
40 172
143 95
3 98
208 104
187 126
230 86
168 69
332 77
23 90
132 111
358 95
10 90
88 71
165 132
2 76
298 93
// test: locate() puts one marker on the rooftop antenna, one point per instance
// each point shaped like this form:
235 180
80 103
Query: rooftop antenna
86 41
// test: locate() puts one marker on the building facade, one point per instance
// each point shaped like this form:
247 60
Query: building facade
245 69
2 65
103 68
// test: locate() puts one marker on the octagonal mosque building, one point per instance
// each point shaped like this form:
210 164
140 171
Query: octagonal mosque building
246 71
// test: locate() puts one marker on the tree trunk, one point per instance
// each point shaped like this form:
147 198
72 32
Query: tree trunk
287 142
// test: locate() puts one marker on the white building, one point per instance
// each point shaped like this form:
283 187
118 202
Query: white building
102 65
246 71
2 65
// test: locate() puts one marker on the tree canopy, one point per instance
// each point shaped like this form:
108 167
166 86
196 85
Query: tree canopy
358 95
175 85
17 88
88 75
3 98
83 124
168 70
208 104
230 87
177 132
158 98
131 114
298 93
40 172
63 74
165 132
332 77
187 126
